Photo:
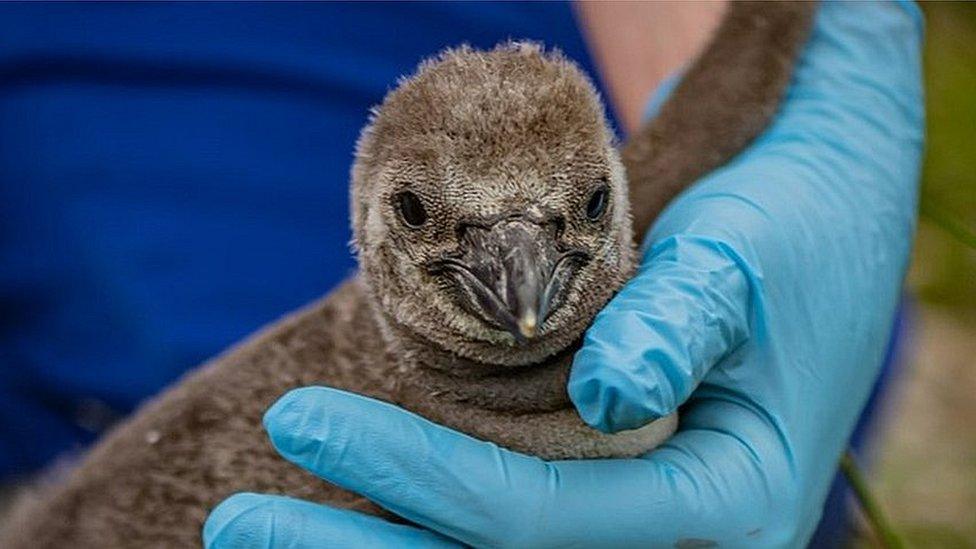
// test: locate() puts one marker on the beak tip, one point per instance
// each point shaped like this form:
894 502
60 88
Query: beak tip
528 324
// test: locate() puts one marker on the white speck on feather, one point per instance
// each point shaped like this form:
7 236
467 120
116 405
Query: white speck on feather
153 436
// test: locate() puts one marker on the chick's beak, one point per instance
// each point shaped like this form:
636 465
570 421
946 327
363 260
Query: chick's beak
511 274
524 275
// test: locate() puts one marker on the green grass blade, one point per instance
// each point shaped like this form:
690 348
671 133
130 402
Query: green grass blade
948 223
872 510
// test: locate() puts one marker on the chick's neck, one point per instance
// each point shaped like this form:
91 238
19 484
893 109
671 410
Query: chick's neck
429 374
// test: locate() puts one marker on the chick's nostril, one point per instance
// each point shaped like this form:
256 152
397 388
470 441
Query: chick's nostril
558 224
461 229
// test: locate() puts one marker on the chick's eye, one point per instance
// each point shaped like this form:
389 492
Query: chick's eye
598 203
411 209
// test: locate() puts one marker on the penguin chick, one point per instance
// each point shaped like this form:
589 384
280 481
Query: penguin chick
492 222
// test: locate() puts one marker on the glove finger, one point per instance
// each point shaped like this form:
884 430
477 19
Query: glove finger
254 520
706 483
648 349
428 474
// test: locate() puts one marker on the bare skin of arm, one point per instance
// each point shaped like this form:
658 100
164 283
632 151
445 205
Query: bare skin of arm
637 45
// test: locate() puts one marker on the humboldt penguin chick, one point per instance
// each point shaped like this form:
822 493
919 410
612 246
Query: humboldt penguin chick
491 220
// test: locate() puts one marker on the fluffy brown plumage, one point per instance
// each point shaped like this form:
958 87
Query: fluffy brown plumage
504 150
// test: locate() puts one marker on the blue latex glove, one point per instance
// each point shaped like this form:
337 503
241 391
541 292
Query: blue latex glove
765 302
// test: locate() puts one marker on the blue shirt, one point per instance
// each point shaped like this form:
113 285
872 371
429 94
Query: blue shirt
173 176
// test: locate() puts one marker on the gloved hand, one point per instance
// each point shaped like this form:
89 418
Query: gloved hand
765 301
